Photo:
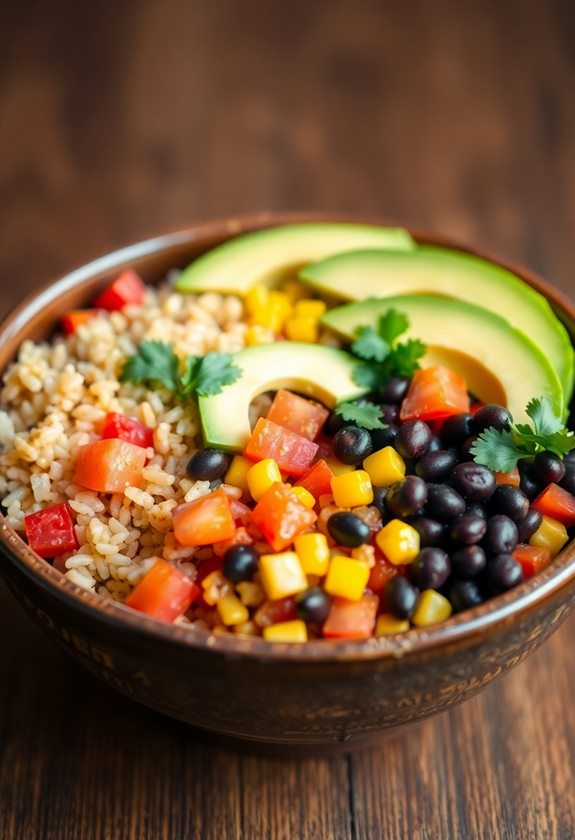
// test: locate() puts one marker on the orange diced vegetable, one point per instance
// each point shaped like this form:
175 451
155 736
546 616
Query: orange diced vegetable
164 593
292 453
532 558
205 520
434 392
281 516
556 503
351 619
297 414
109 466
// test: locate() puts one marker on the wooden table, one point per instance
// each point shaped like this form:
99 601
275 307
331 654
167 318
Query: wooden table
119 120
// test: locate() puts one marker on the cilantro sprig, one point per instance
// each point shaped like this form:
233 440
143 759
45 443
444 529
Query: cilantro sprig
364 414
502 449
381 355
155 364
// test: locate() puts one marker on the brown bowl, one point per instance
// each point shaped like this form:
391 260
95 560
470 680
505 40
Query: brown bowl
322 695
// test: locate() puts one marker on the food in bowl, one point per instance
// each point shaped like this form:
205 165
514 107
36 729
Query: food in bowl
314 431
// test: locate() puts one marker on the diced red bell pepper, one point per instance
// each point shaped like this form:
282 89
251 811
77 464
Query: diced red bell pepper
317 480
281 516
127 428
556 503
513 478
380 574
164 593
351 619
74 319
532 558
434 393
273 612
239 511
51 531
127 288
297 414
292 453
109 466
205 520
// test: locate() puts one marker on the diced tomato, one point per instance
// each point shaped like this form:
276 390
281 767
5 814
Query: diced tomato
434 392
205 520
109 466
239 510
72 320
292 453
164 593
513 478
380 574
127 428
206 567
556 503
297 414
317 480
241 537
128 287
272 612
532 558
351 619
281 516
51 531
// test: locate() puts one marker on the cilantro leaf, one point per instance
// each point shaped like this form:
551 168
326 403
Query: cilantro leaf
392 325
497 450
381 356
369 376
366 415
369 345
215 372
545 421
155 363
406 357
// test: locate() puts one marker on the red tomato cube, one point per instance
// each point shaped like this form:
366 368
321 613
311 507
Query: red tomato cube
292 453
204 521
532 558
434 393
297 414
127 288
164 593
351 619
317 480
109 466
51 531
280 516
556 503
72 320
127 428
380 574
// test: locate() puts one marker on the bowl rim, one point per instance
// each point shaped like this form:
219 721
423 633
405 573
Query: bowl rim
466 627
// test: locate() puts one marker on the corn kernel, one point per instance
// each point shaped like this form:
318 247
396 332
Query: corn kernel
282 575
232 611
389 625
313 552
248 628
310 309
237 473
281 303
337 467
346 578
251 593
256 334
385 467
352 489
286 631
215 587
399 542
303 495
261 476
551 535
257 297
302 329
431 608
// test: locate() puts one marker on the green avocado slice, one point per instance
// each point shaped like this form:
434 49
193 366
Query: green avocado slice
275 254
442 271
500 363
313 370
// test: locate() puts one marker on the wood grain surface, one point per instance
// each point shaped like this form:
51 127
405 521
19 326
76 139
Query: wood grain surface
119 120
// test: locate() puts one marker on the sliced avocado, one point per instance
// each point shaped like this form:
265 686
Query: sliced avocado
313 370
499 362
277 253
442 271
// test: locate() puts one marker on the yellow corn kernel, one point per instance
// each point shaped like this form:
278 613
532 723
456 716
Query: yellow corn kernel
313 552
399 542
282 575
431 608
302 329
286 631
256 334
303 495
232 611
251 593
551 535
261 476
294 290
281 303
257 297
310 309
215 587
385 467
346 578
248 628
352 489
389 625
337 467
237 473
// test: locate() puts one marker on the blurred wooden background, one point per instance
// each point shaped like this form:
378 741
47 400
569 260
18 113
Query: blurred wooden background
120 120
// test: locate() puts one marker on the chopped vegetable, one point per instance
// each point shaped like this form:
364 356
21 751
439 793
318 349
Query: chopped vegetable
50 531
237 473
293 453
385 467
286 631
351 489
532 558
127 288
282 574
205 520
261 476
551 535
232 611
346 577
435 393
351 619
109 466
297 414
74 319
364 414
512 477
317 480
399 542
304 496
388 625
128 429
556 503
163 593
431 608
281 517
313 552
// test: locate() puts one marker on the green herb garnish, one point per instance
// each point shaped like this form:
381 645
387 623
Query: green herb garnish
156 365
500 450
366 415
382 356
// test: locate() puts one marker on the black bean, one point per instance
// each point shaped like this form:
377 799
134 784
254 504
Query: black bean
431 568
456 429
510 501
431 532
389 413
208 464
379 497
394 389
477 509
468 530
407 496
380 438
528 480
548 468
468 562
351 445
475 482
568 480
240 563
501 536
444 503
333 424
313 605
436 466
400 596
527 526
464 454
504 572
465 594
435 445
492 415
413 438
348 529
